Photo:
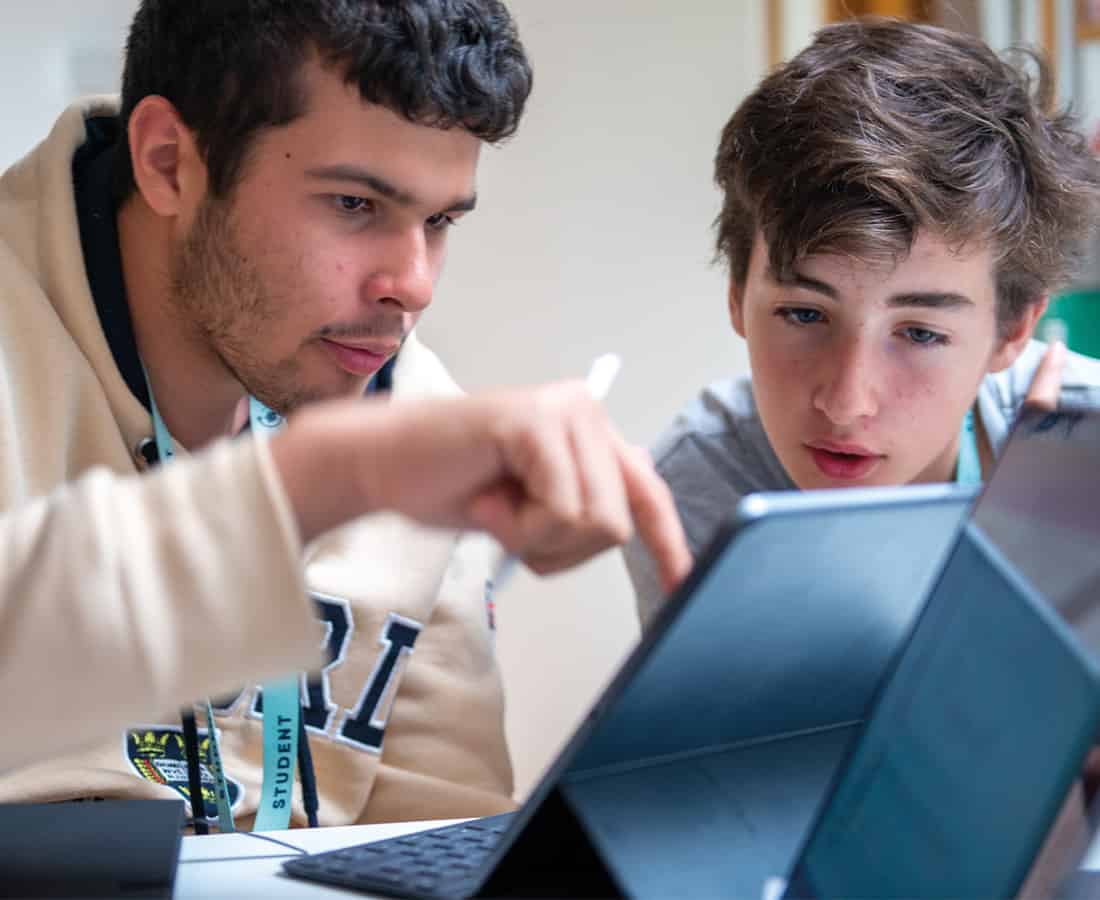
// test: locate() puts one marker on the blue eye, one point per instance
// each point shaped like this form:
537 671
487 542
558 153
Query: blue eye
799 315
925 337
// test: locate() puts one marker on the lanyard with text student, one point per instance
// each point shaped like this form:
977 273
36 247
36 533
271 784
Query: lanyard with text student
282 710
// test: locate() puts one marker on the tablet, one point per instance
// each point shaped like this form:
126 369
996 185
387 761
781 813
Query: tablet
699 768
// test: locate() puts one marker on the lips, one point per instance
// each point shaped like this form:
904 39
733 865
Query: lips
359 359
842 461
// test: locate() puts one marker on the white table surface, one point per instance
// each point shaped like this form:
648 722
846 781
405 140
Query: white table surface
245 866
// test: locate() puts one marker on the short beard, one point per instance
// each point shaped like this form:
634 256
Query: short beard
218 292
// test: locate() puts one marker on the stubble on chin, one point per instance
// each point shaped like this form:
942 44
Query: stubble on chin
219 294
225 299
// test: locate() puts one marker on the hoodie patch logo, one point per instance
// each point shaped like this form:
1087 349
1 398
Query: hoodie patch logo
156 753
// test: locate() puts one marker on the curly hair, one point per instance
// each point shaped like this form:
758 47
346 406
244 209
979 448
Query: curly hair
231 67
881 128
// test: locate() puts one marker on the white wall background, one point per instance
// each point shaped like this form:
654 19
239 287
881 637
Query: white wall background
592 235
50 52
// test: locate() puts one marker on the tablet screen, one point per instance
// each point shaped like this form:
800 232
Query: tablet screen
1049 527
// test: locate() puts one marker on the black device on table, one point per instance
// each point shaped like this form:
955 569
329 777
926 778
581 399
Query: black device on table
105 848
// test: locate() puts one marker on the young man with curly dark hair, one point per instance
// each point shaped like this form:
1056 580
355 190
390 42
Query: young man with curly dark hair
254 234
898 204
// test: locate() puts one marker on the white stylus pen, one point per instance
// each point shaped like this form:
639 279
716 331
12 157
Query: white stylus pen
599 380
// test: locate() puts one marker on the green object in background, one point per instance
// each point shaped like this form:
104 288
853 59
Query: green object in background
1073 318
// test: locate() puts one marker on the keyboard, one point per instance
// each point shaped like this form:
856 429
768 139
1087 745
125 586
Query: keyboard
442 863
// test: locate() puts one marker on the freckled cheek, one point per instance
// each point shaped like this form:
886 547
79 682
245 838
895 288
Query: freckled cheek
768 346
946 378
785 367
917 400
784 387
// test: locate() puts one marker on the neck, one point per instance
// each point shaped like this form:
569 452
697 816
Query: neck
197 396
981 440
945 467
985 447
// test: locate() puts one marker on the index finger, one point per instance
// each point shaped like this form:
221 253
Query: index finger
655 517
1046 384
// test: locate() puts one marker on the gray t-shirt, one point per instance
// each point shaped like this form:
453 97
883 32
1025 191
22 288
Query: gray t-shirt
716 451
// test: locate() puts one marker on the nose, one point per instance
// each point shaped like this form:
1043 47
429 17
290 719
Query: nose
848 386
404 274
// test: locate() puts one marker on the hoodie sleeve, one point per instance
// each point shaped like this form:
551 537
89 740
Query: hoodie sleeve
121 596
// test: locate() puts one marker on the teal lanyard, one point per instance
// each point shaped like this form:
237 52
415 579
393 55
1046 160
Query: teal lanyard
969 467
282 708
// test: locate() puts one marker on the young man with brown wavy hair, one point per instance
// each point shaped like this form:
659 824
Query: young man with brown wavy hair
898 204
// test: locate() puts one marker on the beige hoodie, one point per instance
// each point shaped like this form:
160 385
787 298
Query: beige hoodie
124 595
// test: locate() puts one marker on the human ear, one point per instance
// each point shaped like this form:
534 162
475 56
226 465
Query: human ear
1011 345
735 299
168 169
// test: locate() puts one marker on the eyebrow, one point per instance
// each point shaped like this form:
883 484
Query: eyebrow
345 173
930 300
918 299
